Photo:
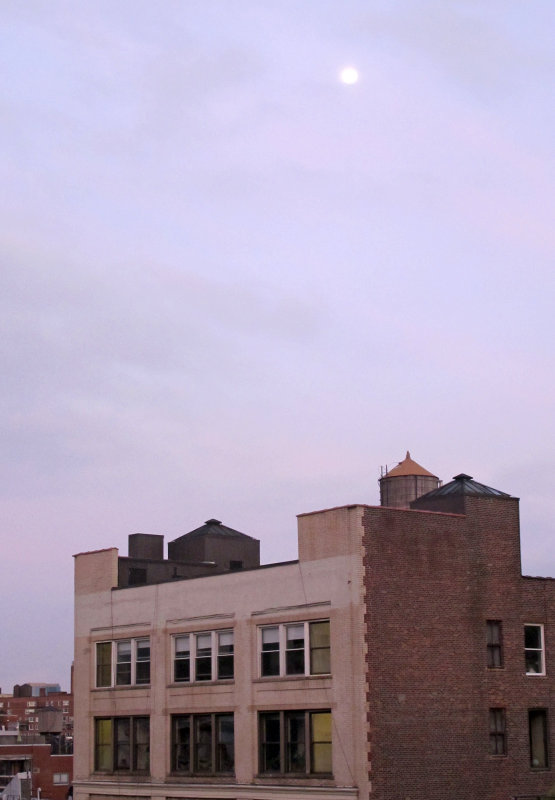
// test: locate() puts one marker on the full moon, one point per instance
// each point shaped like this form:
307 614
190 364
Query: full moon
348 75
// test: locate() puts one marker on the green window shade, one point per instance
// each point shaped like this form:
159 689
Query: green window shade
320 648
103 745
104 664
321 742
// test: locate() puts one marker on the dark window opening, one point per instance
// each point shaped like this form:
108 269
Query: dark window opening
295 742
137 576
494 644
537 728
497 732
203 744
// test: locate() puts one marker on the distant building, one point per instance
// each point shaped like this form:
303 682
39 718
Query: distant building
402 656
36 742
21 709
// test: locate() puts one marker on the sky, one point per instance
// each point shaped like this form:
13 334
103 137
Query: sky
232 286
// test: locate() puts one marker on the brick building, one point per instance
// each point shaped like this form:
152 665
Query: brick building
48 774
402 656
36 740
21 709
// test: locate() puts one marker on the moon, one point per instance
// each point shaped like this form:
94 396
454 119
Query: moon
349 75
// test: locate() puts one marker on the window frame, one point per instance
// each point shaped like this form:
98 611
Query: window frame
60 778
543 714
220 659
288 655
194 744
114 662
307 742
494 644
497 732
540 650
113 745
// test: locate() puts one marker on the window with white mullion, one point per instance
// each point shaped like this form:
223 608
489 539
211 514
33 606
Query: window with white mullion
295 638
534 649
203 656
295 648
124 662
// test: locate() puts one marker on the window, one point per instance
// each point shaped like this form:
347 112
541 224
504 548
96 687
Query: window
295 742
300 648
497 736
123 663
206 656
137 576
537 727
122 744
494 644
533 650
203 744
60 777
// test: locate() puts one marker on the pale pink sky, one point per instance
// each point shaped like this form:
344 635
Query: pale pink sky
233 287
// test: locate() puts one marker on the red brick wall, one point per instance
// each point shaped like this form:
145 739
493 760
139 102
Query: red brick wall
432 581
43 767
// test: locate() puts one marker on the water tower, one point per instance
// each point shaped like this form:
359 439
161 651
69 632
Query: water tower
404 483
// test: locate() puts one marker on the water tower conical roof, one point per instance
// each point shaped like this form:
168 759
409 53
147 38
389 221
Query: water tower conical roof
408 467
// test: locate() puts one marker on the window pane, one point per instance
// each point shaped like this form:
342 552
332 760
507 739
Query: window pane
182 646
123 664
537 719
143 661
203 743
270 651
225 655
295 636
143 649
225 667
321 741
225 642
141 734
493 632
270 638
533 661
182 670
295 742
181 744
320 648
294 662
123 743
103 745
203 667
225 751
320 634
532 636
104 664
497 731
294 655
270 743
321 757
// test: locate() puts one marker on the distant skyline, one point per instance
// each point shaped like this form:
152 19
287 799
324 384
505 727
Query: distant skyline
234 286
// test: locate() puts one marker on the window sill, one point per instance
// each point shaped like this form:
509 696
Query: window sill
132 686
536 674
205 777
187 684
119 775
266 678
294 779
